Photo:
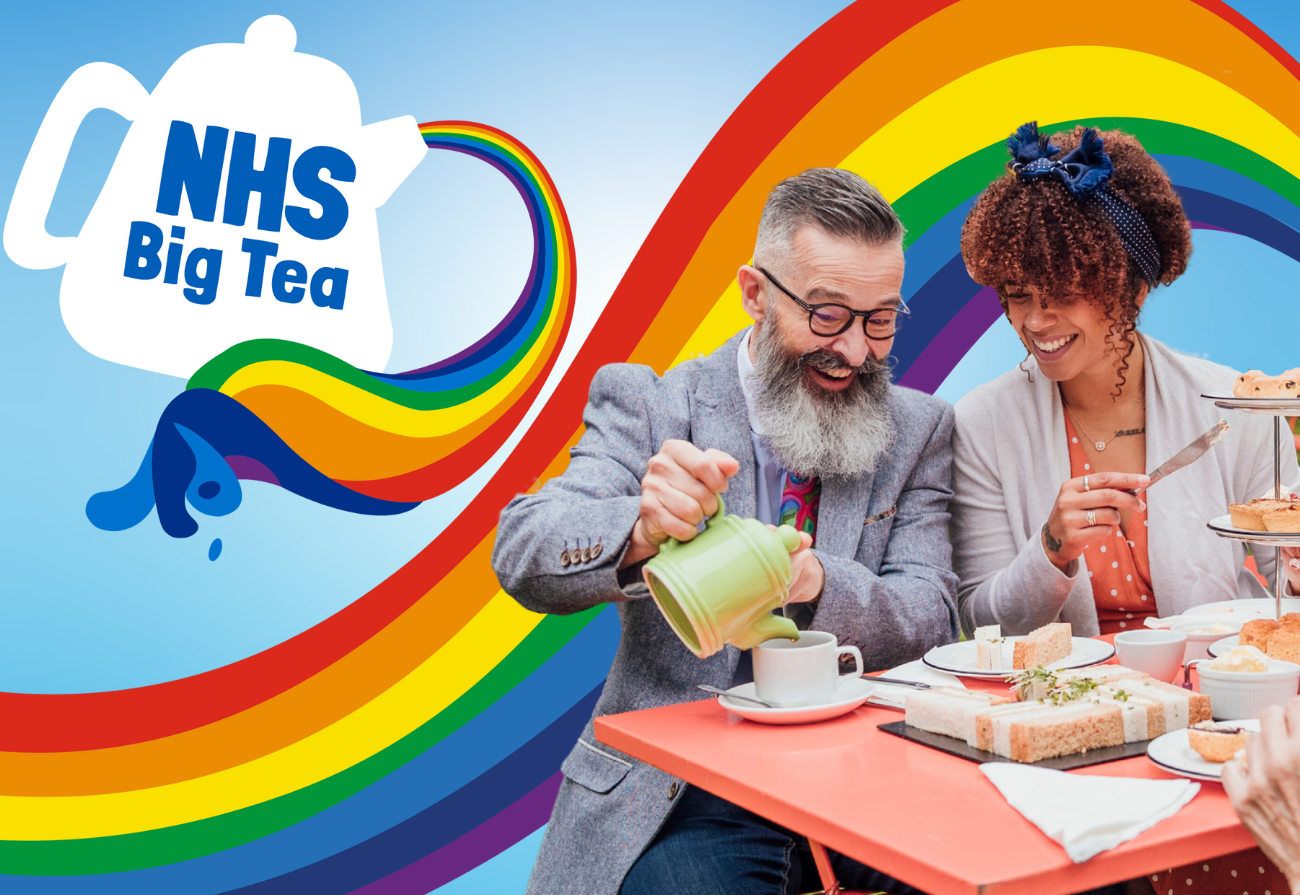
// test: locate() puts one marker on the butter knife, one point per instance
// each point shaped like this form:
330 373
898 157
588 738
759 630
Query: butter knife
1187 455
890 680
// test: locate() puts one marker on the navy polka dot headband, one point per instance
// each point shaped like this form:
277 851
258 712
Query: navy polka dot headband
1085 171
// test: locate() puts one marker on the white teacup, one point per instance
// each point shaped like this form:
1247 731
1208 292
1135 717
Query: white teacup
1157 653
790 673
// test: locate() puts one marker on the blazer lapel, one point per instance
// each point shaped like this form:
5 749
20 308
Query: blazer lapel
845 503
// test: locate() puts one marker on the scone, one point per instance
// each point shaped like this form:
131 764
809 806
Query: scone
1242 387
1284 644
1275 387
1217 740
1256 632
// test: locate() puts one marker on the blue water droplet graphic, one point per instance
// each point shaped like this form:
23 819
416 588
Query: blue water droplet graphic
215 550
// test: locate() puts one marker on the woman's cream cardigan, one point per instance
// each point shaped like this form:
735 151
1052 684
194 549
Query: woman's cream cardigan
1010 458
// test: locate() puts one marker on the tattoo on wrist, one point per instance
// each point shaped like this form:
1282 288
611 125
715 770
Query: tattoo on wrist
1053 544
1141 431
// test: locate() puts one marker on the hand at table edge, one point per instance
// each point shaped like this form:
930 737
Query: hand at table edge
1265 789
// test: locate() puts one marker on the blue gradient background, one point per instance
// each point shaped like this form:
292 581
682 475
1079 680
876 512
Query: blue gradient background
617 100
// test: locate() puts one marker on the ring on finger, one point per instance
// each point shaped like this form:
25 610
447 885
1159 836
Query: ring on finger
1091 517
1085 483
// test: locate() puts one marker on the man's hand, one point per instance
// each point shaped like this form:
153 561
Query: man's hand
809 576
680 488
1266 791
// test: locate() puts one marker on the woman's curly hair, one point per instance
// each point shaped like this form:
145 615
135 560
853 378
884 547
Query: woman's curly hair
1033 232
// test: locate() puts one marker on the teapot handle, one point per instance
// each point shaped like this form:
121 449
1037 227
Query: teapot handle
99 85
721 511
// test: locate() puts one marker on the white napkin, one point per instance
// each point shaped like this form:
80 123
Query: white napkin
894 696
1088 815
1153 622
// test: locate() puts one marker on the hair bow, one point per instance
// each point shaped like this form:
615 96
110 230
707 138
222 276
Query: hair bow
1085 171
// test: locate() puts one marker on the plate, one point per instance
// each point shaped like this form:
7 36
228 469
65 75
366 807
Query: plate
1223 527
1269 406
1172 754
1219 647
1242 610
850 694
960 659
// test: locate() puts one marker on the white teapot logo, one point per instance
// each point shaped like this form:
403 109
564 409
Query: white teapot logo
240 206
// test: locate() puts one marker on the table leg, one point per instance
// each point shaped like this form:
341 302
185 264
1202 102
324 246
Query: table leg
830 886
823 861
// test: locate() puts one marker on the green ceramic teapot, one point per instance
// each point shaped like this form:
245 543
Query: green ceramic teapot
721 586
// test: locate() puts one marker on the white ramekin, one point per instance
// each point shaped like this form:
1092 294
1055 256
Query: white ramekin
1237 695
1198 645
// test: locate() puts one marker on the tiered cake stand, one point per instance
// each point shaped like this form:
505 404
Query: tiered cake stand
1222 525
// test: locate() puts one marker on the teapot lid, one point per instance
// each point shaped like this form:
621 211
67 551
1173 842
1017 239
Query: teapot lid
260 85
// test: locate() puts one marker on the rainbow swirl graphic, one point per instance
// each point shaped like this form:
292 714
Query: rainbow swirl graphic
373 443
418 732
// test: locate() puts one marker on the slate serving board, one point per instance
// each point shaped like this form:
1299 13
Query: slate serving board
1061 763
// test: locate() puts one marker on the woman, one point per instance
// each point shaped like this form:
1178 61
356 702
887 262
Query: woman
1074 236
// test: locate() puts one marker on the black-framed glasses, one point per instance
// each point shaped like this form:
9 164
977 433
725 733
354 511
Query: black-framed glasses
831 319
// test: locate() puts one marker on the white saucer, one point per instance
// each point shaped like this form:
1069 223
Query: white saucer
850 694
1219 647
960 658
1171 753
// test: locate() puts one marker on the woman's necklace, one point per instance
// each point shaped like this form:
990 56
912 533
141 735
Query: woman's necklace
1101 445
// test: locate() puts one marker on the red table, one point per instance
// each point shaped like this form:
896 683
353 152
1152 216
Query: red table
922 816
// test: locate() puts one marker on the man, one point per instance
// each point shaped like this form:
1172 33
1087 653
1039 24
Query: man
796 411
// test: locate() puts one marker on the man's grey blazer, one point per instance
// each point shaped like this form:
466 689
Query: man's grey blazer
889 587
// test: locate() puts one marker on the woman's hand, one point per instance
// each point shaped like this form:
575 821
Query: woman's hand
1086 510
1291 568
1265 790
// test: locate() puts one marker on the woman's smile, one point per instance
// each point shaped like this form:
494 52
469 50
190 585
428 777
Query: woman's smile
1053 348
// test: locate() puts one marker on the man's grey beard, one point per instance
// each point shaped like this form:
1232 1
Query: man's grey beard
813 431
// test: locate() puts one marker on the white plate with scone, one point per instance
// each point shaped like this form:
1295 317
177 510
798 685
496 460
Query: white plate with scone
961 658
1172 752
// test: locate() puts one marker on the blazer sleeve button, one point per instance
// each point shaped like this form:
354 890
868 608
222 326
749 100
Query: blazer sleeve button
595 551
586 554
564 558
672 790
575 556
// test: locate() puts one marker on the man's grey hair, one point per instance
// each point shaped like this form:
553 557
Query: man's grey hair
838 202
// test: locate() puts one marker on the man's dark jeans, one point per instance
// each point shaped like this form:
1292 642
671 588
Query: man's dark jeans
709 845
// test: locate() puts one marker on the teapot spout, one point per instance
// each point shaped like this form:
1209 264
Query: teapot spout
389 151
769 627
